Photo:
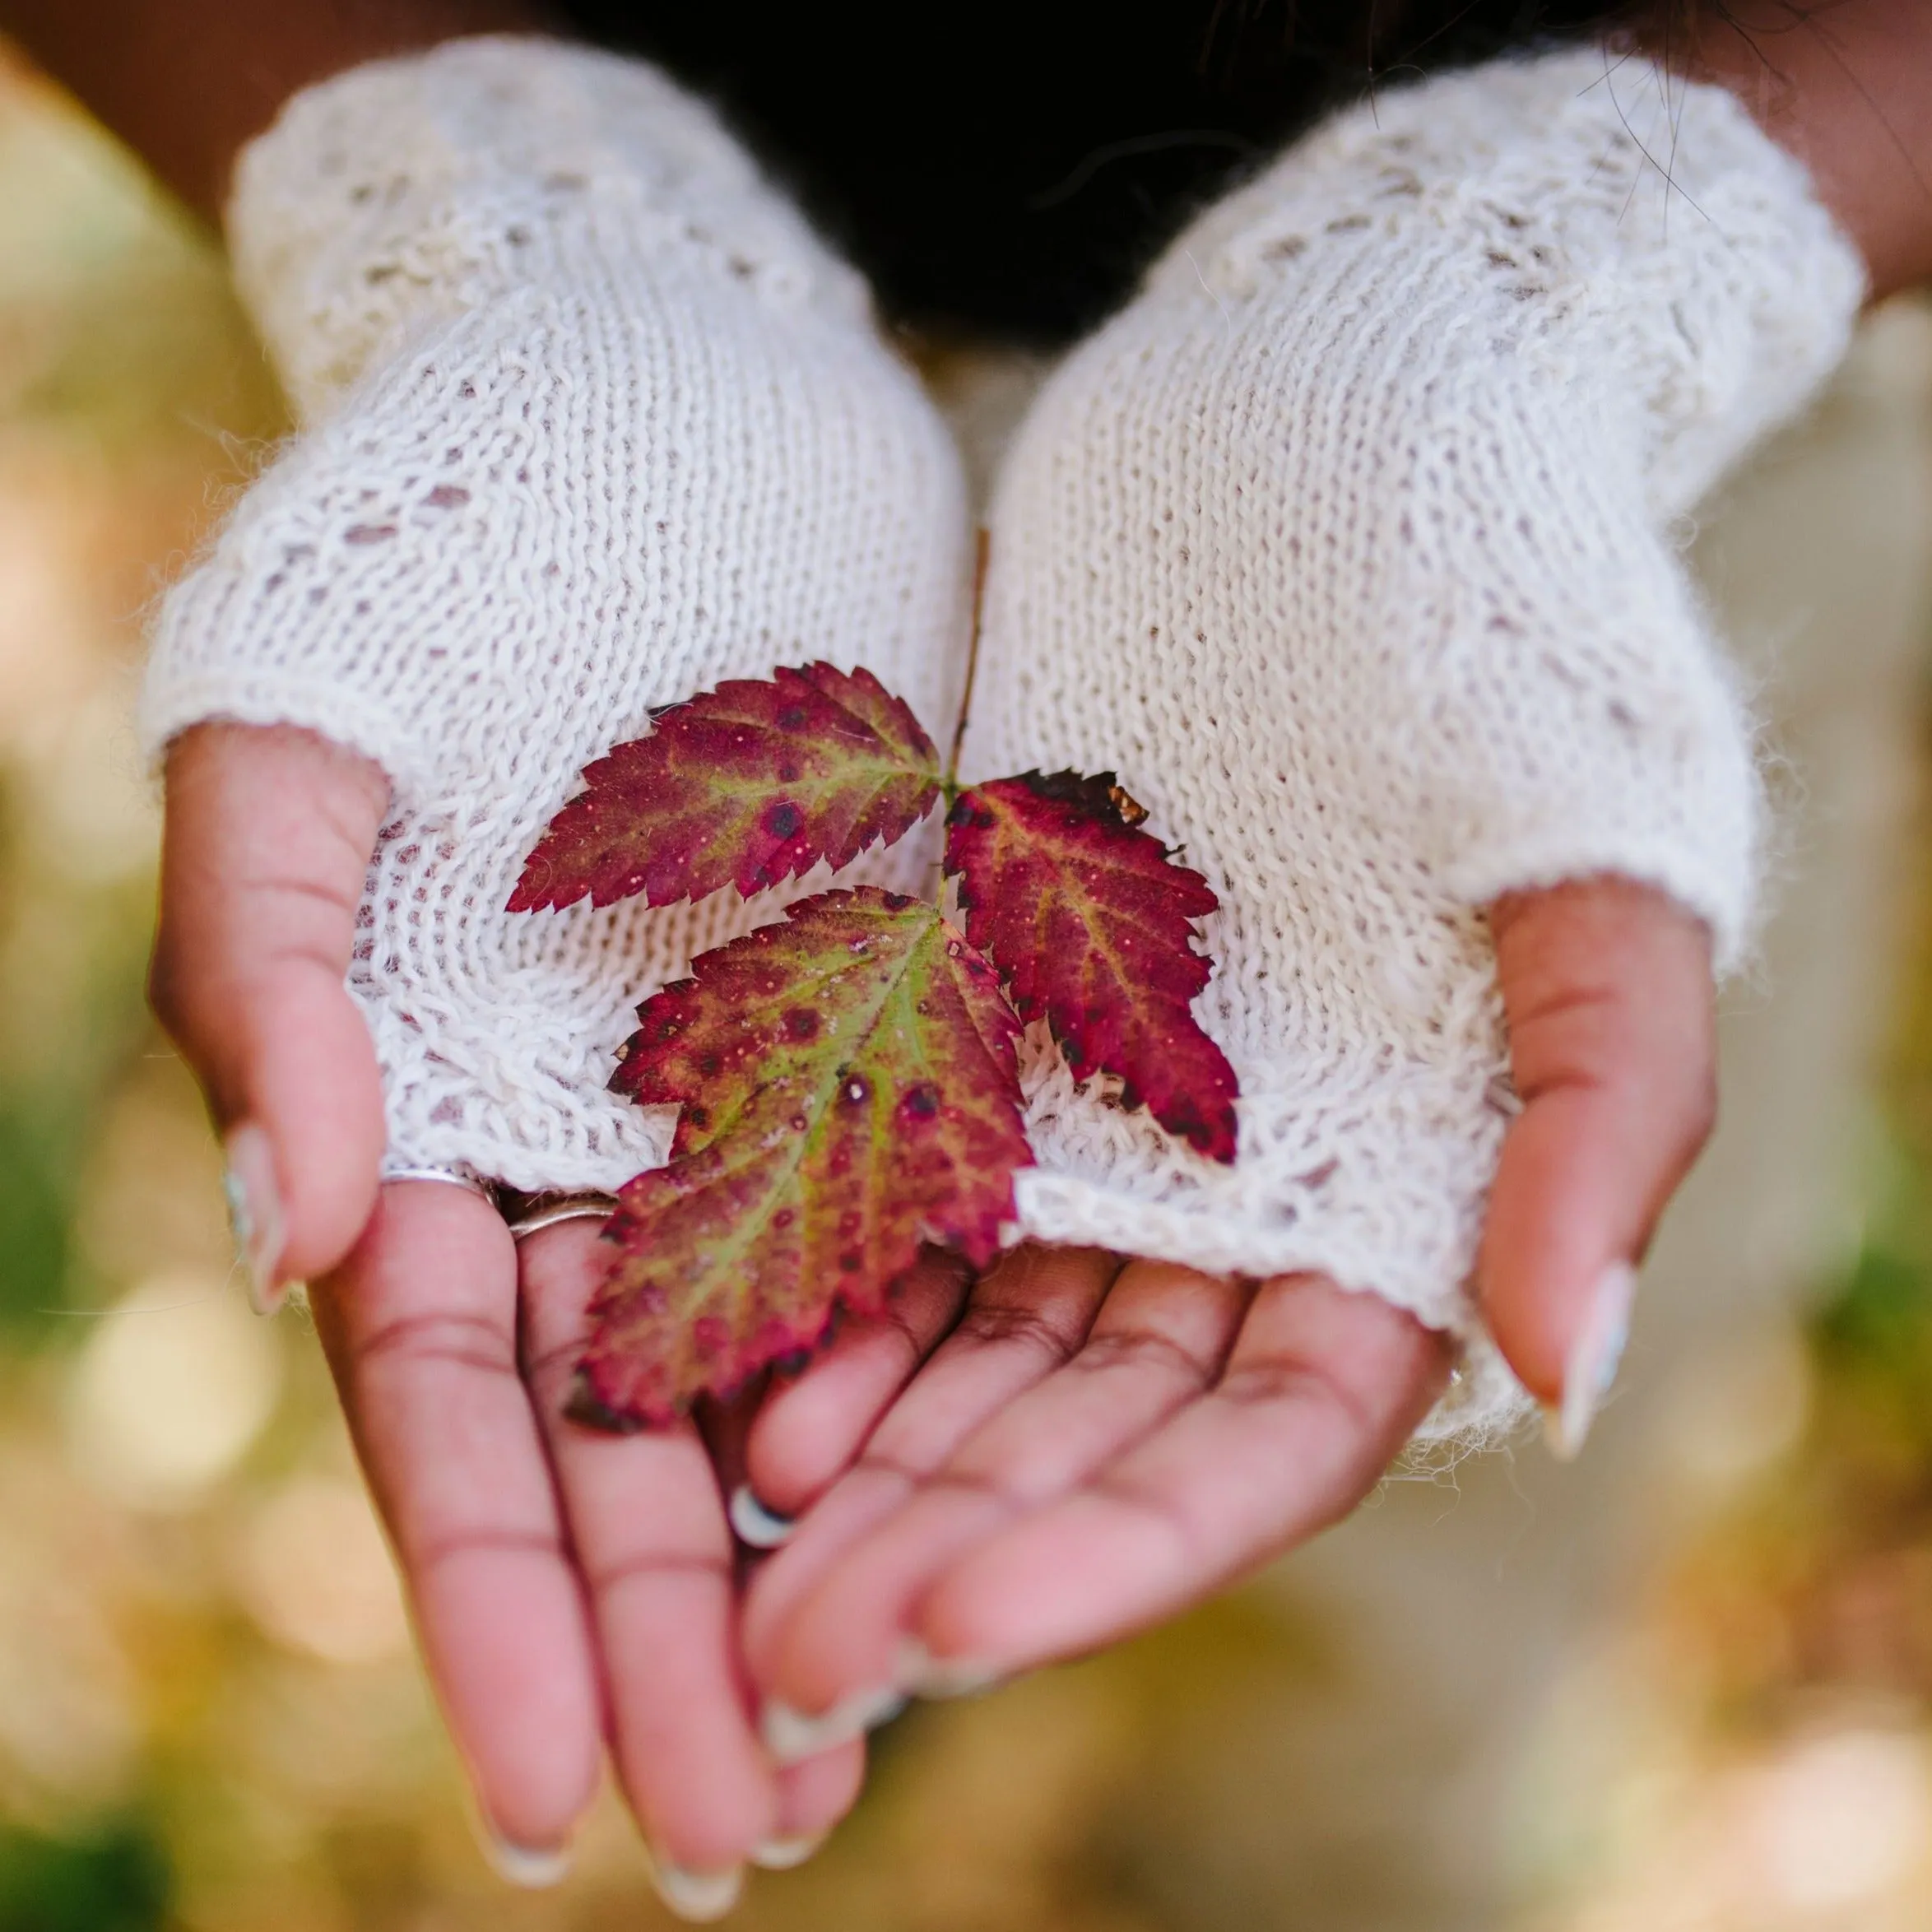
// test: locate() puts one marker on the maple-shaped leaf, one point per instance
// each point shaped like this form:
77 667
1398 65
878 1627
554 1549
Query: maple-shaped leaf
1091 924
849 1092
745 785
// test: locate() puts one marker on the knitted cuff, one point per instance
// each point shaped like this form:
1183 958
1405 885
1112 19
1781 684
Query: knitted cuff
453 257
594 424
1348 546
410 190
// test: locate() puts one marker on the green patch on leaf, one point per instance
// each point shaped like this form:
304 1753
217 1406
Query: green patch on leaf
849 1094
846 1079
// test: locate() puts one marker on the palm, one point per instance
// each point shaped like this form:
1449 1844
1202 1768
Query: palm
1091 1447
1088 1448
1095 1445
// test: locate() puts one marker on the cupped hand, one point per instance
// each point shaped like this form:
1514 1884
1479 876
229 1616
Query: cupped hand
1095 1445
569 1588
1090 1447
569 1585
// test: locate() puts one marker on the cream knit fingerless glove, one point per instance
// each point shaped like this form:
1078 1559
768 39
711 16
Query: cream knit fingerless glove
592 421
1350 545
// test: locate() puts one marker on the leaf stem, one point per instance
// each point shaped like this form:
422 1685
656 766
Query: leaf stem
981 548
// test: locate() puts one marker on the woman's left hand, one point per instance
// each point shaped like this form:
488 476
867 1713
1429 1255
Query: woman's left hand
1095 1445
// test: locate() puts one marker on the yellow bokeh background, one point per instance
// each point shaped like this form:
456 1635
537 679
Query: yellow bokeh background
211 1716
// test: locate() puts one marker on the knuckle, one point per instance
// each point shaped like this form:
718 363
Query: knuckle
616 1571
1141 1349
1353 1400
998 1323
163 986
1279 1380
1699 1119
449 1339
172 997
430 1549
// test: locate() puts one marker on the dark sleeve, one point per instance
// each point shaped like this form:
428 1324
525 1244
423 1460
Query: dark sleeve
1010 167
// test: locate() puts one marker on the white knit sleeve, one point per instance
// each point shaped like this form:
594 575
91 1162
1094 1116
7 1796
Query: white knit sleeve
591 420
1352 545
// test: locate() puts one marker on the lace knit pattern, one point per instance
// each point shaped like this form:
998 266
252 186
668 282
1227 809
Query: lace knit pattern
591 421
1350 545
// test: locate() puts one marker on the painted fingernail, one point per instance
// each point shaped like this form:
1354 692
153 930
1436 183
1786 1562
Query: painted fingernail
535 1868
753 1525
791 1736
254 1213
1594 1359
781 1854
925 1675
700 1898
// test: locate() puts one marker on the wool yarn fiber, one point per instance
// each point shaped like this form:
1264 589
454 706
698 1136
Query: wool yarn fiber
591 421
1351 546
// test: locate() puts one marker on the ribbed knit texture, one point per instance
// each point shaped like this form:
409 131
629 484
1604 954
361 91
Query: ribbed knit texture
591 421
1350 545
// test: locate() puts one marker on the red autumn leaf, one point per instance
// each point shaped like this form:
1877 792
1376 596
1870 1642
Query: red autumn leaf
849 1092
1091 924
746 785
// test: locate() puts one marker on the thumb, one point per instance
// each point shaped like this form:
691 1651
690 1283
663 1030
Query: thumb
1607 988
266 843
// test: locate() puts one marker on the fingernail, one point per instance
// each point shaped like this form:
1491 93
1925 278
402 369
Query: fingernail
1592 1367
697 1898
927 1676
791 1736
535 1868
753 1525
254 1213
781 1854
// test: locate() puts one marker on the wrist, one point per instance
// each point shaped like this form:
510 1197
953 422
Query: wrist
1850 94
406 193
187 86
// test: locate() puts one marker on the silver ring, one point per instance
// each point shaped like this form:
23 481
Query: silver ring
450 1177
551 1210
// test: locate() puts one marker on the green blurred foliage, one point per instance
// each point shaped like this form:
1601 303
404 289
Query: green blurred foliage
57 1068
210 1718
115 1881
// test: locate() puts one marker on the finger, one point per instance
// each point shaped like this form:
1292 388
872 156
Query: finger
1023 1321
647 1519
813 1796
1158 1341
1607 986
268 841
811 1426
420 1326
1321 1391
723 1427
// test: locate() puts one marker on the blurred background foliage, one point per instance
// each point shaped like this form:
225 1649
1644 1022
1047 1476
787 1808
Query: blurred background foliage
210 1715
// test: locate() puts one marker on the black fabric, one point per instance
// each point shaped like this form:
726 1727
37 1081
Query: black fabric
1009 167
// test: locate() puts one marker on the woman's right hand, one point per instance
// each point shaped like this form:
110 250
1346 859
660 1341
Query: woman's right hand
567 1587
595 423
